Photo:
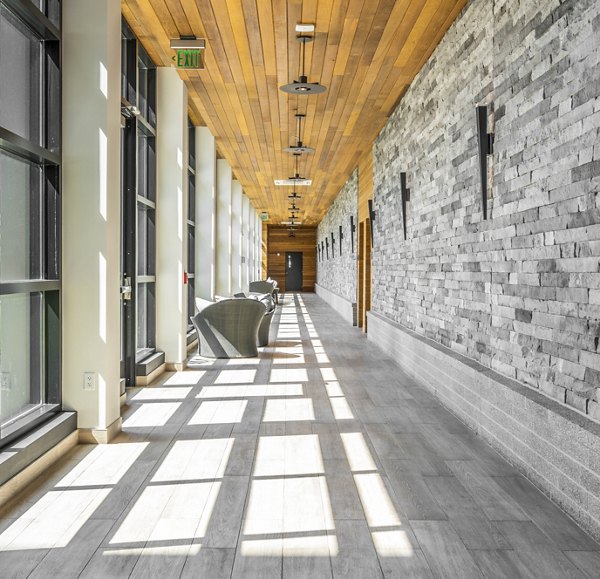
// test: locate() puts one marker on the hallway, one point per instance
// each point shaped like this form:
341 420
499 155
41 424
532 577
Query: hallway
317 459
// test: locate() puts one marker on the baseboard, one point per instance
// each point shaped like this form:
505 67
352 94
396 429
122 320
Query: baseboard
145 380
552 445
100 435
175 366
342 306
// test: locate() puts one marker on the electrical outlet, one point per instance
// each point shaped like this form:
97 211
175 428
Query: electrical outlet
89 380
5 381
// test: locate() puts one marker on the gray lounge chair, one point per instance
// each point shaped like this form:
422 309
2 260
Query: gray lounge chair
264 287
229 328
265 324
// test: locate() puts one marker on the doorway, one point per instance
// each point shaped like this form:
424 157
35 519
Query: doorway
293 271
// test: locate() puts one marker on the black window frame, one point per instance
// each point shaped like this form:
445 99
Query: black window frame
43 154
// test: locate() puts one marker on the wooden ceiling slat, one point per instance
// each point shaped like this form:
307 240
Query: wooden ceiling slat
366 52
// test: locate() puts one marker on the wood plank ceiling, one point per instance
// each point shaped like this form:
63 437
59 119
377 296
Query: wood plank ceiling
366 52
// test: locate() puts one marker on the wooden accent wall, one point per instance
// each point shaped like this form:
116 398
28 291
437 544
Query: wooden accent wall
365 184
279 241
365 192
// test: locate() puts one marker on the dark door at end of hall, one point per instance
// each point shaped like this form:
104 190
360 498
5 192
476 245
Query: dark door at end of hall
293 271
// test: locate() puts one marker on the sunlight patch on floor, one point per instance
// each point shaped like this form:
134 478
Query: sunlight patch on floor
157 393
103 465
289 410
235 377
290 505
53 521
195 460
392 544
182 378
357 452
219 412
152 414
169 513
288 455
251 391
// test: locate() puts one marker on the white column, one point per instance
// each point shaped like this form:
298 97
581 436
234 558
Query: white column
171 215
223 249
251 244
236 236
206 177
245 242
91 100
259 239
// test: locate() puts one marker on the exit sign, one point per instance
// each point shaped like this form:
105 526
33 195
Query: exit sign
189 58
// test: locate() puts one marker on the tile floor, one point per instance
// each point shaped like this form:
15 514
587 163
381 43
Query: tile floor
317 459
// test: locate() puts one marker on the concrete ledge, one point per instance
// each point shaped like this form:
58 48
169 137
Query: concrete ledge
555 447
21 480
342 306
23 452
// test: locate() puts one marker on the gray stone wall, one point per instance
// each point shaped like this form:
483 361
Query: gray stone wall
520 291
338 273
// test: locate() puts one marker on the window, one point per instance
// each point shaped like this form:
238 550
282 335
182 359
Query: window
191 223
138 194
29 214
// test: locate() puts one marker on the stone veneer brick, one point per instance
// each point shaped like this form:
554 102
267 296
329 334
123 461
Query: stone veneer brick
338 273
518 292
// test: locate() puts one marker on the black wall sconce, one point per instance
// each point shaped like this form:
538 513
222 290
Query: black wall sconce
372 215
405 195
332 245
318 252
486 148
322 251
327 247
352 230
341 237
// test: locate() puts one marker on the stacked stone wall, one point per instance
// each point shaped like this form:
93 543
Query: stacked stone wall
337 271
520 291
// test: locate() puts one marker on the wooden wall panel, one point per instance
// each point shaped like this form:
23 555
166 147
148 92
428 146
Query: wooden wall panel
365 184
305 241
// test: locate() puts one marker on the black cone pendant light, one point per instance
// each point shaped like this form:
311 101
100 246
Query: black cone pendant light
302 86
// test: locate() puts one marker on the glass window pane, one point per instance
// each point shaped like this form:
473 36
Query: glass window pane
20 61
20 215
145 316
146 240
20 355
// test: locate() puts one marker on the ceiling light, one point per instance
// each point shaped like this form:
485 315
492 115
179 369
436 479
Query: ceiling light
188 42
299 147
305 27
301 182
302 86
291 223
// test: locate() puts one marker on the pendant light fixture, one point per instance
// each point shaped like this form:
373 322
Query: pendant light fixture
302 86
299 147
